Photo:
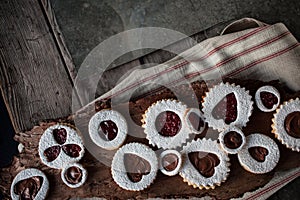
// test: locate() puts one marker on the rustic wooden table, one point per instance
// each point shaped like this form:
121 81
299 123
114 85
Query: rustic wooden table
37 73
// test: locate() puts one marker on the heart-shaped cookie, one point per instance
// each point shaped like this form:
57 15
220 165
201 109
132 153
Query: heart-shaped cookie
259 155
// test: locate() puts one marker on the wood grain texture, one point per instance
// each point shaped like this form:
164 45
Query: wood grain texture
34 82
59 38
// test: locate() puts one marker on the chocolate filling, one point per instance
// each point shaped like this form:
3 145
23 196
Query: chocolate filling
226 109
72 150
136 167
28 188
51 153
196 121
60 135
204 162
292 124
268 99
233 140
258 153
108 129
170 162
168 124
73 175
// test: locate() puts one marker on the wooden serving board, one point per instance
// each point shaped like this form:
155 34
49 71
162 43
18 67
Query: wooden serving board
100 182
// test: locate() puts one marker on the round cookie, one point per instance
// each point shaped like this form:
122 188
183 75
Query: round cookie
29 183
286 124
108 129
267 98
60 145
232 140
205 164
259 155
134 166
170 162
74 175
227 105
164 125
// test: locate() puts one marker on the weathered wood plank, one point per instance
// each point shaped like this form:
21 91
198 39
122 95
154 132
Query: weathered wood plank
59 38
34 82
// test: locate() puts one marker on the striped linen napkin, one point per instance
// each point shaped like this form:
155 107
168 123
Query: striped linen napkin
264 53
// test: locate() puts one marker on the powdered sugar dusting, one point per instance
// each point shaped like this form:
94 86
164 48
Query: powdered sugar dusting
47 140
252 165
258 99
115 117
28 173
278 124
192 176
119 172
150 129
216 94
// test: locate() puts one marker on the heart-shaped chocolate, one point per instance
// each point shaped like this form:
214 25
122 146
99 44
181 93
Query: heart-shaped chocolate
268 99
168 123
258 153
72 150
226 109
52 153
204 162
292 124
136 167
28 188
109 129
196 121
60 135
